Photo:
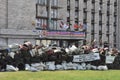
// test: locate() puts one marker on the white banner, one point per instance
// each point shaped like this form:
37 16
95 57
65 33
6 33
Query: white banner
86 57
110 59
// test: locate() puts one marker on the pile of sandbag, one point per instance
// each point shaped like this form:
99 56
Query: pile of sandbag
64 66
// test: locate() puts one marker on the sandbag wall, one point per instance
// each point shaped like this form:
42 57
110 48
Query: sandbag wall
53 59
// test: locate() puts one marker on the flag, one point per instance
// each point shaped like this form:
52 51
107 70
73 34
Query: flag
76 26
63 25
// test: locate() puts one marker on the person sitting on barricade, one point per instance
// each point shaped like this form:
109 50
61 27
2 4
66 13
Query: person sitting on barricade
25 51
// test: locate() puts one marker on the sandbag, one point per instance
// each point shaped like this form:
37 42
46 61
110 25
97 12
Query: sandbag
50 66
11 68
59 67
102 67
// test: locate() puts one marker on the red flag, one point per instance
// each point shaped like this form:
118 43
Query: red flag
76 26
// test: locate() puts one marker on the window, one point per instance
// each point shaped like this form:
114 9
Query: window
85 0
68 13
54 2
92 17
101 2
53 25
92 27
93 1
38 23
41 23
115 3
93 6
76 9
92 32
76 3
85 10
100 8
100 18
68 5
41 11
76 14
42 2
108 2
68 2
76 20
54 13
85 19
85 16
85 5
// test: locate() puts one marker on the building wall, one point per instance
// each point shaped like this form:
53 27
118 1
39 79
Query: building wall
3 13
118 28
17 18
89 7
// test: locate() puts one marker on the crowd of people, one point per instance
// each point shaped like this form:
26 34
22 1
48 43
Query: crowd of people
25 56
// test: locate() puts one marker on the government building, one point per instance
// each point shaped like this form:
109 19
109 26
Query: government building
60 21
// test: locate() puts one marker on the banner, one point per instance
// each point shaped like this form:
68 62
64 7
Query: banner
86 57
110 59
60 34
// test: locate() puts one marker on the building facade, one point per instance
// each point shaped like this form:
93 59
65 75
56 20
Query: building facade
118 28
100 16
16 21
99 19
